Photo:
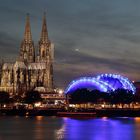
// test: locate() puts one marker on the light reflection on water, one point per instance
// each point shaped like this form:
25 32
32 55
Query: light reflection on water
53 128
100 129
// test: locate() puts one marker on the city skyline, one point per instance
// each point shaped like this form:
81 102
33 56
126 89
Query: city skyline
90 37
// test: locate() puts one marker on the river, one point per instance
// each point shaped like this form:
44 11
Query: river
54 128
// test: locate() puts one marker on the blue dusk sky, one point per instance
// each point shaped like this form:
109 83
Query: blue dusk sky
90 36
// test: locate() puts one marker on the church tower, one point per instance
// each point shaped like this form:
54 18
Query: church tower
44 42
46 55
27 50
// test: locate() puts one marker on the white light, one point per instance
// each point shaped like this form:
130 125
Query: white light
60 91
77 50
103 106
38 104
71 105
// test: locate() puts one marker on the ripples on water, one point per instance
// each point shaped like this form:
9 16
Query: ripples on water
53 128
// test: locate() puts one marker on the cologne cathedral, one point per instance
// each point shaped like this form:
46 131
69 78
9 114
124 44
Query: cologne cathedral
34 66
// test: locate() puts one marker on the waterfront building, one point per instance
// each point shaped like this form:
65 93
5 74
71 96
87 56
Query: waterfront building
34 66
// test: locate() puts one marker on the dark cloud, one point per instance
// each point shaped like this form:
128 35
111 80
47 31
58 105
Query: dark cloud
8 45
77 64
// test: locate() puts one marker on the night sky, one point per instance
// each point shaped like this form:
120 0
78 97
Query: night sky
90 36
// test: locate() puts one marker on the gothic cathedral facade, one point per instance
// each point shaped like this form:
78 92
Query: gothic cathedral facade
31 70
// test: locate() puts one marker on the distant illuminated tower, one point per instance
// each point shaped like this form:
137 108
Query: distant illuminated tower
27 51
45 55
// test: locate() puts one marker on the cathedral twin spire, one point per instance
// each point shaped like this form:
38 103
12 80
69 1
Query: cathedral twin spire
44 34
27 34
27 50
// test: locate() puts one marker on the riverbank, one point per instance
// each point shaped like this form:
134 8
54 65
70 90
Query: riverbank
64 113
30 112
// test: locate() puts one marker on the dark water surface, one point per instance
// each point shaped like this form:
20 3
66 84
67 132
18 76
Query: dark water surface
53 128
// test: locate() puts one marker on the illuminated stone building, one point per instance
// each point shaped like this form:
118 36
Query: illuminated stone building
32 69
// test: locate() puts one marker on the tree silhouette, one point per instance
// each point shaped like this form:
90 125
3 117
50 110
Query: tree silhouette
32 96
95 96
122 96
4 98
17 98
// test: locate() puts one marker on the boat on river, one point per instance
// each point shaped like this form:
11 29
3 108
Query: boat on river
77 114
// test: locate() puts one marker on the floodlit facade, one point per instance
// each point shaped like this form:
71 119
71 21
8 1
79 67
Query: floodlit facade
32 69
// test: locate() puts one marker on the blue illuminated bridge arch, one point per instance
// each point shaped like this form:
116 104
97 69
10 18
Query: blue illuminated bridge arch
102 82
